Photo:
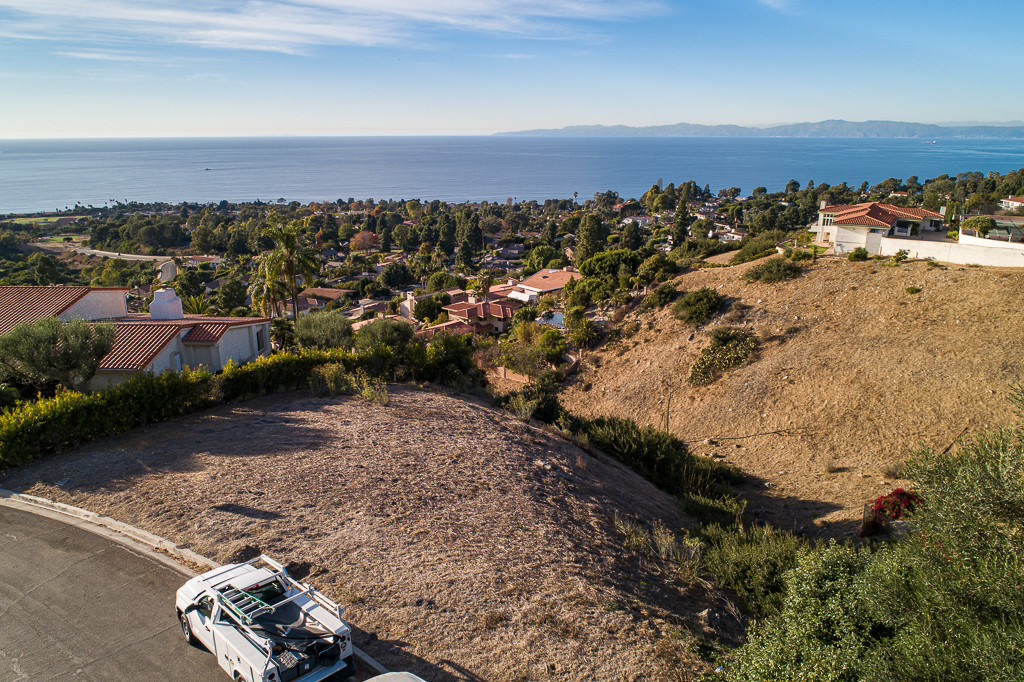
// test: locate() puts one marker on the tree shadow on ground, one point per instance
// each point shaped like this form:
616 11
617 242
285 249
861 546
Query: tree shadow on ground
394 655
798 515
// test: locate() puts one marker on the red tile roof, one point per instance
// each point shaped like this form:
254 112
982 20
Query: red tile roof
206 333
28 304
875 214
135 345
499 309
549 280
452 327
324 292
191 320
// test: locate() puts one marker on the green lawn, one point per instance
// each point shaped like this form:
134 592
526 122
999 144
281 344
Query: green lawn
43 220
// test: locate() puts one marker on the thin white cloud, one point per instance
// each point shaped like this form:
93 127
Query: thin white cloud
105 56
779 5
293 26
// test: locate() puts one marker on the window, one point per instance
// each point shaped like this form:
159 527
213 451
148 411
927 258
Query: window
205 607
261 341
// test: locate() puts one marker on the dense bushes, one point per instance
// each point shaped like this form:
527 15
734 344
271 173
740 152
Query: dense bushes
50 425
858 254
660 297
729 347
756 247
660 457
697 307
773 270
946 602
752 562
327 329
336 379
278 372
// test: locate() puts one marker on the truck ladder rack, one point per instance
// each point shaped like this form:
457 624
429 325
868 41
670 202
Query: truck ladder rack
243 604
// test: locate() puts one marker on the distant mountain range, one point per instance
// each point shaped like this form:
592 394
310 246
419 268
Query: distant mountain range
878 129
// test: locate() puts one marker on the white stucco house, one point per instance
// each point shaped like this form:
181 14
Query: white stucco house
1012 203
851 226
546 281
163 339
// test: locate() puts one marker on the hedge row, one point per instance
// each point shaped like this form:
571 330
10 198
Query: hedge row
278 372
70 419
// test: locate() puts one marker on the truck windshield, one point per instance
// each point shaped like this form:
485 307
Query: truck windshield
271 593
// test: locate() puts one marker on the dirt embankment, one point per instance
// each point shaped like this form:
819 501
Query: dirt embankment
852 373
465 545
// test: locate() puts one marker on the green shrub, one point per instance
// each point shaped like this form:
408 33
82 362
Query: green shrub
773 270
953 234
859 253
913 290
981 224
946 602
660 457
730 347
538 400
69 419
899 257
822 631
660 297
327 329
278 372
725 510
756 247
332 379
752 562
799 255
697 307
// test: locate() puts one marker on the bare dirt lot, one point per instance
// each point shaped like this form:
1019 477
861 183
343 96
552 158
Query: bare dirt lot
851 374
465 545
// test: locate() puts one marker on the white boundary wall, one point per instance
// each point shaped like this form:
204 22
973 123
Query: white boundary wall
968 251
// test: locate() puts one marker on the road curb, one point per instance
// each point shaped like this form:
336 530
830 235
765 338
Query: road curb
153 546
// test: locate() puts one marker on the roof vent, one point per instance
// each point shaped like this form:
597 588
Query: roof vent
165 306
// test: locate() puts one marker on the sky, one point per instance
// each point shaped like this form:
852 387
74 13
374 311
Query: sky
136 68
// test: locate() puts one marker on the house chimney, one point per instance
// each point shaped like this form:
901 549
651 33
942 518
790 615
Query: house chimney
822 205
942 211
165 306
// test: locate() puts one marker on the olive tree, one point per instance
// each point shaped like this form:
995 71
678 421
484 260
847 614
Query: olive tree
49 351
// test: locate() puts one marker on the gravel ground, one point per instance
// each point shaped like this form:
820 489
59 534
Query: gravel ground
464 544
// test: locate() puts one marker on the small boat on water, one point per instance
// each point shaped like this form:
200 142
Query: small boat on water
922 142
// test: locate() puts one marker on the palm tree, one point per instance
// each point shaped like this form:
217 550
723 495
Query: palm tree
279 269
483 286
268 292
196 305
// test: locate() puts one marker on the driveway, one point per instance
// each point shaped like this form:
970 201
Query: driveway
77 606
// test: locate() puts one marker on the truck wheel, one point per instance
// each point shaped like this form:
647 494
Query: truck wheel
186 630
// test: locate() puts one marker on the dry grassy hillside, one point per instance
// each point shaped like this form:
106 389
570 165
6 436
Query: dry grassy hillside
466 545
851 374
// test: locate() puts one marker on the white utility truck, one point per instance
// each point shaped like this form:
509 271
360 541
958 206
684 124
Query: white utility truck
264 626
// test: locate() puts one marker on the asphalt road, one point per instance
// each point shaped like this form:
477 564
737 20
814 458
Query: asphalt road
122 256
77 606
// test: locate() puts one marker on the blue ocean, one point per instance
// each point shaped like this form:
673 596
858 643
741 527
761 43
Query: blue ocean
43 175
